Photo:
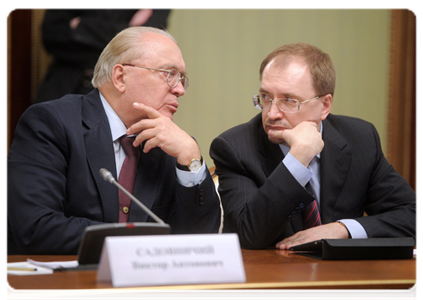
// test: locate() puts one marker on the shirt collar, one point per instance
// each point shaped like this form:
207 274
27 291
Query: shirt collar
116 125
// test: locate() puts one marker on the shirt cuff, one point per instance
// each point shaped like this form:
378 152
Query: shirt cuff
355 228
297 169
190 179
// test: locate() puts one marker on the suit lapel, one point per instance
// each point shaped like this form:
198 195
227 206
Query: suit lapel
272 154
335 163
99 150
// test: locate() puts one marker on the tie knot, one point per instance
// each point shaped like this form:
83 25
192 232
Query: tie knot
126 143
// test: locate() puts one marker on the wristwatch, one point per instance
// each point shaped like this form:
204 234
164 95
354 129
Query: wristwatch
193 166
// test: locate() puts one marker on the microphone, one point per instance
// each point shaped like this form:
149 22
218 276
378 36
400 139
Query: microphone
91 245
109 177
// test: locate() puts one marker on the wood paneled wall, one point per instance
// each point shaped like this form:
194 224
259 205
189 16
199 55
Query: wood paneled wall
19 67
402 95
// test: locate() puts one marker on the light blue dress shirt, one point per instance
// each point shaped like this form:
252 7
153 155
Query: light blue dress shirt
312 174
118 129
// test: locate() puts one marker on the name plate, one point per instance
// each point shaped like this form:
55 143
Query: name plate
171 260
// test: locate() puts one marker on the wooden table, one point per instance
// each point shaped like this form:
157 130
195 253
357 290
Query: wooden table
265 269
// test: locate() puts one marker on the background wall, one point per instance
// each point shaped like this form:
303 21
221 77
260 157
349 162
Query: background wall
373 52
223 50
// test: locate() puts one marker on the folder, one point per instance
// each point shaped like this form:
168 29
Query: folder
353 249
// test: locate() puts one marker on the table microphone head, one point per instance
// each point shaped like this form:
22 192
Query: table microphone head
107 175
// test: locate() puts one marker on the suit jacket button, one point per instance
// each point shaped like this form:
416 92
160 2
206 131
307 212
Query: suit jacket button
201 197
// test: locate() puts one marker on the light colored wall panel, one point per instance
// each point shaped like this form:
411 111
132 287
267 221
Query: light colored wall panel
223 50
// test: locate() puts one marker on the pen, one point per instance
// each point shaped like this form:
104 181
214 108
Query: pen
21 269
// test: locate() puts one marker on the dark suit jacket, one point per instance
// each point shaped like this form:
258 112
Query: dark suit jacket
55 190
262 201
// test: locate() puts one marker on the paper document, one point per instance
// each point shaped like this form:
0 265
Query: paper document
55 264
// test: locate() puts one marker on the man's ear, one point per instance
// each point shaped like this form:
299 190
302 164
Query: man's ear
327 106
118 78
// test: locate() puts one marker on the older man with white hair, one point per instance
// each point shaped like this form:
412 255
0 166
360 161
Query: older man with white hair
125 125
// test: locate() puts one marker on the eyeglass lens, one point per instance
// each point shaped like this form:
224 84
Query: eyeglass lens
174 77
284 104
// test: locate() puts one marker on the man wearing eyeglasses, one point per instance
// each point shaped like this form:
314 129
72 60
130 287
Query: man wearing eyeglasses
296 173
55 190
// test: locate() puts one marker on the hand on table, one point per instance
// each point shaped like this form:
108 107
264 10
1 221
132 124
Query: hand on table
328 231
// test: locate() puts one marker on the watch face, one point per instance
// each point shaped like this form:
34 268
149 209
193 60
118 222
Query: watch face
195 165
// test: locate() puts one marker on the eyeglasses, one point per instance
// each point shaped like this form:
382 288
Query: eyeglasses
289 105
173 76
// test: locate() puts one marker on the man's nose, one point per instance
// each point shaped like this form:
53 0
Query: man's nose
274 112
179 89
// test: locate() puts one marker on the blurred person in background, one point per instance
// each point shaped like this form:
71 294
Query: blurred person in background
76 38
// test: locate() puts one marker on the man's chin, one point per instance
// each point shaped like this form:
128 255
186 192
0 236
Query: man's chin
167 114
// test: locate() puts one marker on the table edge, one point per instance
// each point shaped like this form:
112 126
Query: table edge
207 287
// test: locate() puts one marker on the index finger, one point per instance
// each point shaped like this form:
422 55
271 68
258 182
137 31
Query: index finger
311 123
151 112
314 124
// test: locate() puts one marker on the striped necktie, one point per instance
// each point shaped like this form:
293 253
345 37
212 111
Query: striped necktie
311 214
127 176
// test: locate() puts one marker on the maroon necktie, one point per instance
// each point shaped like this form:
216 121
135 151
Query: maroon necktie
311 214
127 176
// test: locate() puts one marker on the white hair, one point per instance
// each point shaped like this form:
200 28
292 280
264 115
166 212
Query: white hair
124 47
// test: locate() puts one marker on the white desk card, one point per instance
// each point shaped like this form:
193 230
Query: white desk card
171 260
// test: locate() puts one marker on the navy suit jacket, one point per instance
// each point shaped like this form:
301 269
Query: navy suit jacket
55 190
262 201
